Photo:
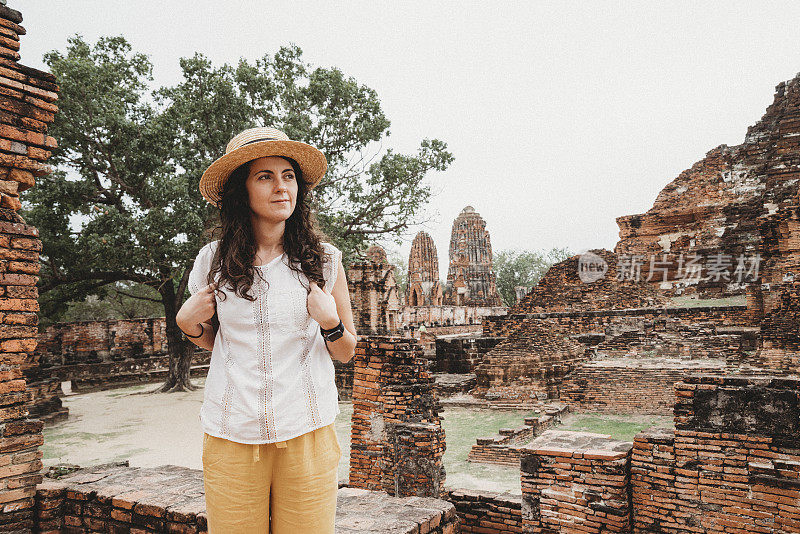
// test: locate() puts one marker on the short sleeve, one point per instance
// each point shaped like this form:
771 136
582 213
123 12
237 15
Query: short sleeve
198 277
332 260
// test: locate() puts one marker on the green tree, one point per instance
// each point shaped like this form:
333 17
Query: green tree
523 268
130 158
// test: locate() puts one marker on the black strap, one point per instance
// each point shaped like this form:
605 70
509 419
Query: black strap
261 139
202 331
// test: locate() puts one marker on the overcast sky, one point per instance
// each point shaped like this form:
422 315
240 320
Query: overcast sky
561 115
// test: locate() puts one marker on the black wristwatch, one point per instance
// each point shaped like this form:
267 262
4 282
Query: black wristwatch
332 334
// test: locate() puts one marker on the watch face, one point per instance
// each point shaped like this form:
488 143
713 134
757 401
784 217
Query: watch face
333 336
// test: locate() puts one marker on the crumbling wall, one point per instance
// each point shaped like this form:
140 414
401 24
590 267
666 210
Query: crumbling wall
737 201
504 449
780 330
397 441
731 465
575 482
102 341
27 106
487 512
533 361
630 386
562 289
461 354
597 320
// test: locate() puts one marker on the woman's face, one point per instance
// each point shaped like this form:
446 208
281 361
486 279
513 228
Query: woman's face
272 188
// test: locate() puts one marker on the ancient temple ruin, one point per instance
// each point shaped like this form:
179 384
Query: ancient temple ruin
373 294
378 308
424 288
471 278
737 201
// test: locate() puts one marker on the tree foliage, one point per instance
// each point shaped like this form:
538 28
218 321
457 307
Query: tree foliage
130 158
123 203
523 268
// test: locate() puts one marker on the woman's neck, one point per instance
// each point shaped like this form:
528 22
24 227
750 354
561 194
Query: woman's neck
269 238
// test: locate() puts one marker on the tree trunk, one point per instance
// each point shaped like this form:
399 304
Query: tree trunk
180 350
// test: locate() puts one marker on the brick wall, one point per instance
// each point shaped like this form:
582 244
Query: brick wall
102 341
86 377
27 106
461 354
544 348
575 482
562 289
530 363
454 318
780 330
487 512
629 386
593 320
731 465
397 441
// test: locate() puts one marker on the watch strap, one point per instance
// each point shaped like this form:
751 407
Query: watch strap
332 334
329 330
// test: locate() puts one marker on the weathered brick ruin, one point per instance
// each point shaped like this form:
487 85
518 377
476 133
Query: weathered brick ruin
504 449
373 294
780 331
731 465
576 482
561 289
461 354
739 204
739 200
397 437
471 279
603 360
396 473
487 512
424 288
27 107
101 341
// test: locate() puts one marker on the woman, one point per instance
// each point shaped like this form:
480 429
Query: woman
283 309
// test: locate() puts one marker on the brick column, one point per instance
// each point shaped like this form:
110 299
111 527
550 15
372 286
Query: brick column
576 482
27 106
397 440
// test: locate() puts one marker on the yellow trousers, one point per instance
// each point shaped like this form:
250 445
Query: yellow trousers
287 487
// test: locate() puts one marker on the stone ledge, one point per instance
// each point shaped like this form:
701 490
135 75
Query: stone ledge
171 498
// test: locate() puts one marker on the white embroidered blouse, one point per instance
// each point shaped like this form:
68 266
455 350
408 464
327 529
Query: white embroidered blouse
271 377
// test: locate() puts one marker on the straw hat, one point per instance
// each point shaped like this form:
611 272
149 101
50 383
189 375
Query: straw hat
256 143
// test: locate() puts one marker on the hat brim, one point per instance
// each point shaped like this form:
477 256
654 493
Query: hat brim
312 163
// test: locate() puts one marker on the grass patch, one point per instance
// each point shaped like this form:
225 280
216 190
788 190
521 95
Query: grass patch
622 427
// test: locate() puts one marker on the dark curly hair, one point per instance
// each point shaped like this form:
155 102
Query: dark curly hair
236 253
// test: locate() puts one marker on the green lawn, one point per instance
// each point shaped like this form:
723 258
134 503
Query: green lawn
619 426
